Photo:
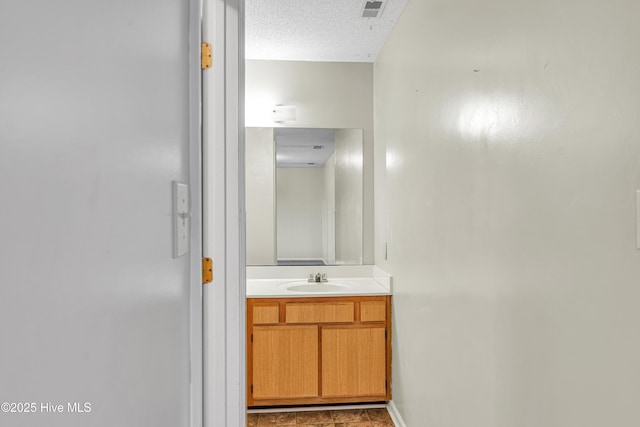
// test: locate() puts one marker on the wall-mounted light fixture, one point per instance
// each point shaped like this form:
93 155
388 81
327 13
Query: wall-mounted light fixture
284 113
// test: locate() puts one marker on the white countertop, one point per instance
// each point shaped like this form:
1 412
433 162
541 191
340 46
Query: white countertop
277 288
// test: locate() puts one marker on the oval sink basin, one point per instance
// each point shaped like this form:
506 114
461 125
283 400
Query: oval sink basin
317 287
313 287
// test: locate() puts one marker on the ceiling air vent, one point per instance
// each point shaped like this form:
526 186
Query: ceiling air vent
372 9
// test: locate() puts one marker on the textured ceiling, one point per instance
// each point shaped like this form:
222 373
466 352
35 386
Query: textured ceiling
320 30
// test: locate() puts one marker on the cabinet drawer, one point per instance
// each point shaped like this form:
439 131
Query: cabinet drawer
266 313
373 311
328 312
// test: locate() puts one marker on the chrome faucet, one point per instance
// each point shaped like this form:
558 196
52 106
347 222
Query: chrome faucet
318 278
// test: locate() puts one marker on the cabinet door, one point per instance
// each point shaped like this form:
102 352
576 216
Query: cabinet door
353 362
285 362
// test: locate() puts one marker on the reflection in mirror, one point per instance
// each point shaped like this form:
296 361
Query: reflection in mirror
304 193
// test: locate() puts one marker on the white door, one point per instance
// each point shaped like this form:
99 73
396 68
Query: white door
96 315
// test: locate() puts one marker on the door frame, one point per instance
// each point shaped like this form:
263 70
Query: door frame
196 215
224 303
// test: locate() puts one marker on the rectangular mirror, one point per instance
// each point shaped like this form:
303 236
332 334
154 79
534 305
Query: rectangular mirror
304 196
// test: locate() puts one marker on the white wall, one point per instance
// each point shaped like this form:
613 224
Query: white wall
327 95
510 138
299 197
348 196
260 196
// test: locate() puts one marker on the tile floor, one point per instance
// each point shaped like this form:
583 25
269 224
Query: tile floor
341 418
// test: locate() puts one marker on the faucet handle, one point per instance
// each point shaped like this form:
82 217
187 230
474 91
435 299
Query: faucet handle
311 278
324 277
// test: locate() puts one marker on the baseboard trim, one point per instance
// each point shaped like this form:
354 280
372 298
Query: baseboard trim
315 408
395 415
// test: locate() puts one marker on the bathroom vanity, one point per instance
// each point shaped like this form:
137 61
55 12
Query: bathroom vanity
331 344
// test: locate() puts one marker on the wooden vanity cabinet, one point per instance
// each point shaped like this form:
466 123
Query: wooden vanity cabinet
318 350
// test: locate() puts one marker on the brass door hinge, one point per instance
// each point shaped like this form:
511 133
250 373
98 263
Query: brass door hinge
206 56
207 271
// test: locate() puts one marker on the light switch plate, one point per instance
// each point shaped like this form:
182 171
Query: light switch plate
181 218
